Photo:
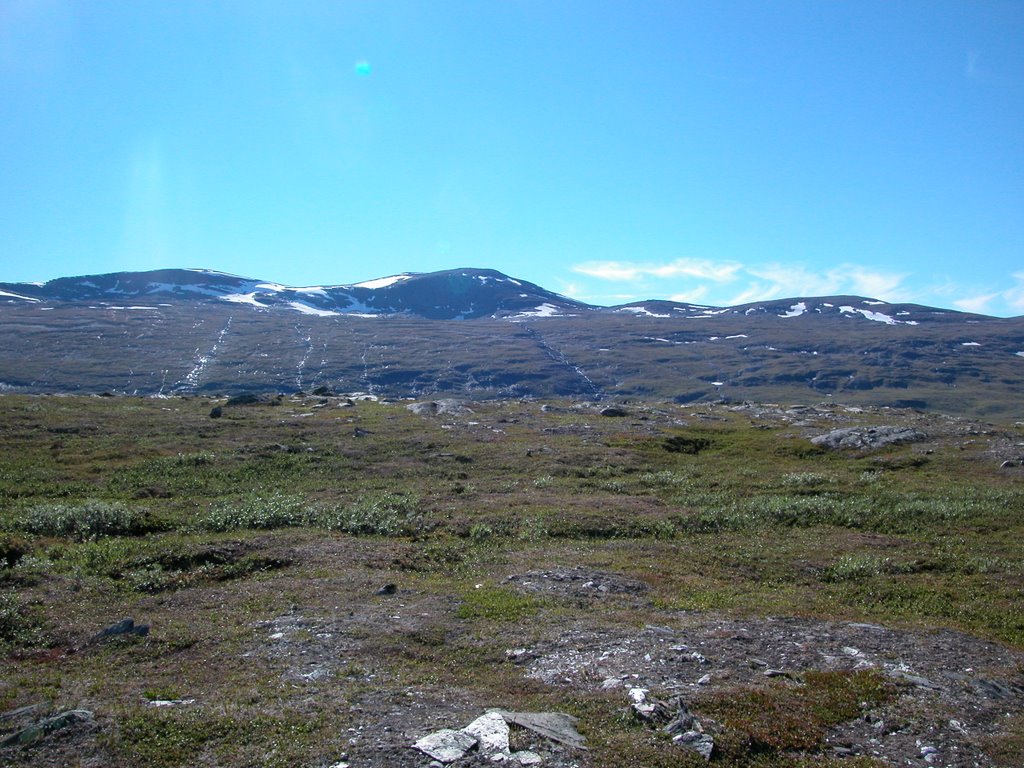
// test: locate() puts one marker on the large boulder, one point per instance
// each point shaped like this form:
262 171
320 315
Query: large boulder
868 438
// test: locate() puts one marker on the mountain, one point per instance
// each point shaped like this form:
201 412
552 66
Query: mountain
478 333
455 294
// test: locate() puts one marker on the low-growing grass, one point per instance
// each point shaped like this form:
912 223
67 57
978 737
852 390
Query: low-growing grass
212 530
792 718
497 604
162 738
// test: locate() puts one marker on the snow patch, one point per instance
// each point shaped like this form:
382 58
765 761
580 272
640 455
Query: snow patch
17 296
243 298
171 288
969 344
878 317
641 311
544 310
796 310
1019 354
308 310
382 282
737 336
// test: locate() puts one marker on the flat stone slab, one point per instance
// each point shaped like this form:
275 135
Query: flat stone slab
446 745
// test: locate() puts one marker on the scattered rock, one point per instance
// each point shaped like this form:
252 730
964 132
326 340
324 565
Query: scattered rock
683 722
245 398
216 412
519 655
526 757
491 733
387 589
993 689
578 582
701 743
642 707
447 407
170 702
917 680
446 745
614 412
39 730
868 438
19 712
551 725
123 627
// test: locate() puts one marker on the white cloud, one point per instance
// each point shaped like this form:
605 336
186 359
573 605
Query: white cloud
979 304
608 270
755 292
988 299
866 282
572 290
1014 295
690 297
703 269
796 280
727 283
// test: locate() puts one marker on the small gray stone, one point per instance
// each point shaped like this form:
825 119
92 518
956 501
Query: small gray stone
701 743
526 757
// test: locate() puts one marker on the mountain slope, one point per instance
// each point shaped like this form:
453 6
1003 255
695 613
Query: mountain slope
452 294
479 333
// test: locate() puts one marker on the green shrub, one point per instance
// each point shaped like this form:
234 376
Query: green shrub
276 510
86 521
19 626
855 568
12 549
380 514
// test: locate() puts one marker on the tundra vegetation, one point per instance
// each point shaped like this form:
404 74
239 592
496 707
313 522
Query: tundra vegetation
258 547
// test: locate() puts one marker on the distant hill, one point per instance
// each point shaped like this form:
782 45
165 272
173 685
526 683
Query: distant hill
478 333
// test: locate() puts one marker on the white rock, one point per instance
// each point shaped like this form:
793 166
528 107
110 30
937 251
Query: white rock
491 731
526 757
446 745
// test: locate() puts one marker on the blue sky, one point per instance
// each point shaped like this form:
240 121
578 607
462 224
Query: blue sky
716 152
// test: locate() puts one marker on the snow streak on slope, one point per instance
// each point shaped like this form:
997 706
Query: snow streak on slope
191 380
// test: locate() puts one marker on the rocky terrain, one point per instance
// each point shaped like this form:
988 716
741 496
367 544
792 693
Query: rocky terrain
336 580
